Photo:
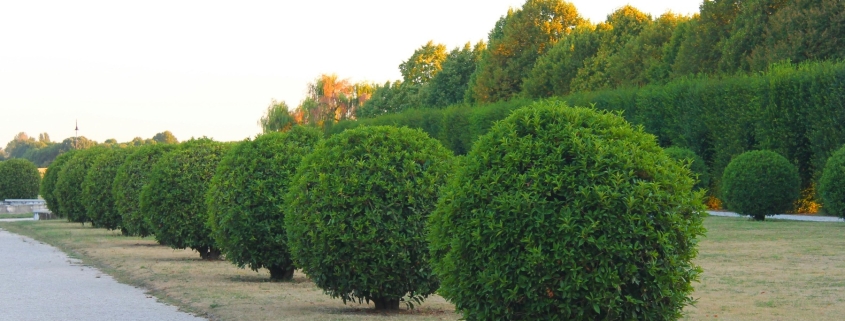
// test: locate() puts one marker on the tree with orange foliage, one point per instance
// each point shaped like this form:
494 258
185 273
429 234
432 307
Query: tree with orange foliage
331 99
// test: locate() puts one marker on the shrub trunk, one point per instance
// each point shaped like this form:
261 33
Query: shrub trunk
281 273
386 304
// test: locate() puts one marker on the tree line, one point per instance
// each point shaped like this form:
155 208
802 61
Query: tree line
546 48
42 151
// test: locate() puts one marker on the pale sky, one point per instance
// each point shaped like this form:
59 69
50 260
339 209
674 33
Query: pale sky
210 68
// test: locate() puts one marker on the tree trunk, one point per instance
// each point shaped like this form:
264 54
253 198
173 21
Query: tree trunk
279 273
213 254
386 304
759 217
203 250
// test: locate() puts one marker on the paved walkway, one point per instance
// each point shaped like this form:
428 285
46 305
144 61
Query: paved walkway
808 218
39 282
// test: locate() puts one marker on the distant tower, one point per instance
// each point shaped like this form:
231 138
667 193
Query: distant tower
76 136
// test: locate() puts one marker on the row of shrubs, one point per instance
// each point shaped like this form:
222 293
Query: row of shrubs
794 110
555 213
19 179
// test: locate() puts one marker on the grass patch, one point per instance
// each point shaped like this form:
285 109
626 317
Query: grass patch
771 270
24 215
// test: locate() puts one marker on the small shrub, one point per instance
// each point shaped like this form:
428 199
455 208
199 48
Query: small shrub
356 214
97 188
561 213
68 189
174 198
696 165
832 184
128 182
760 183
48 183
19 179
246 196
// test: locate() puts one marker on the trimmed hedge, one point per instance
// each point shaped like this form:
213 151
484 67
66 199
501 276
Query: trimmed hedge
696 164
19 179
795 110
561 213
246 197
456 126
97 189
174 198
832 184
357 208
760 183
128 182
68 190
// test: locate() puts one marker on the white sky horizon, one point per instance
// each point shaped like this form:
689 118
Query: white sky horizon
210 68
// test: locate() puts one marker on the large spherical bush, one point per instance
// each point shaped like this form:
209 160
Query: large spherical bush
68 191
356 214
246 196
19 179
48 184
832 184
97 188
174 198
696 164
760 183
130 178
561 213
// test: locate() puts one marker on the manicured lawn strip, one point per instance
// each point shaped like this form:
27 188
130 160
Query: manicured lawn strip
782 270
772 270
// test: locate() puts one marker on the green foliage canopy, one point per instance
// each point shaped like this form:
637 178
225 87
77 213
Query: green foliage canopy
832 184
51 177
19 179
696 164
246 197
97 188
424 64
277 118
760 183
515 44
561 213
68 191
174 197
356 212
129 180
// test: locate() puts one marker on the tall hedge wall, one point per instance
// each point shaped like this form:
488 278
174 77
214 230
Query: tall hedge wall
456 127
795 110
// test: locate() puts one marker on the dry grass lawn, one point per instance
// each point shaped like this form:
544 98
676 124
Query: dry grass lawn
773 270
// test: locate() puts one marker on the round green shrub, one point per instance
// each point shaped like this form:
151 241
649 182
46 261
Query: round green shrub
19 179
48 183
97 188
174 198
356 214
832 184
128 182
68 191
760 183
246 196
696 164
562 213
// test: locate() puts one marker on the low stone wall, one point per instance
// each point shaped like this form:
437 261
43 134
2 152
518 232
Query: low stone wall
21 209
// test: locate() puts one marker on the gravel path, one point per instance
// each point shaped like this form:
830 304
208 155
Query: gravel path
39 282
808 218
